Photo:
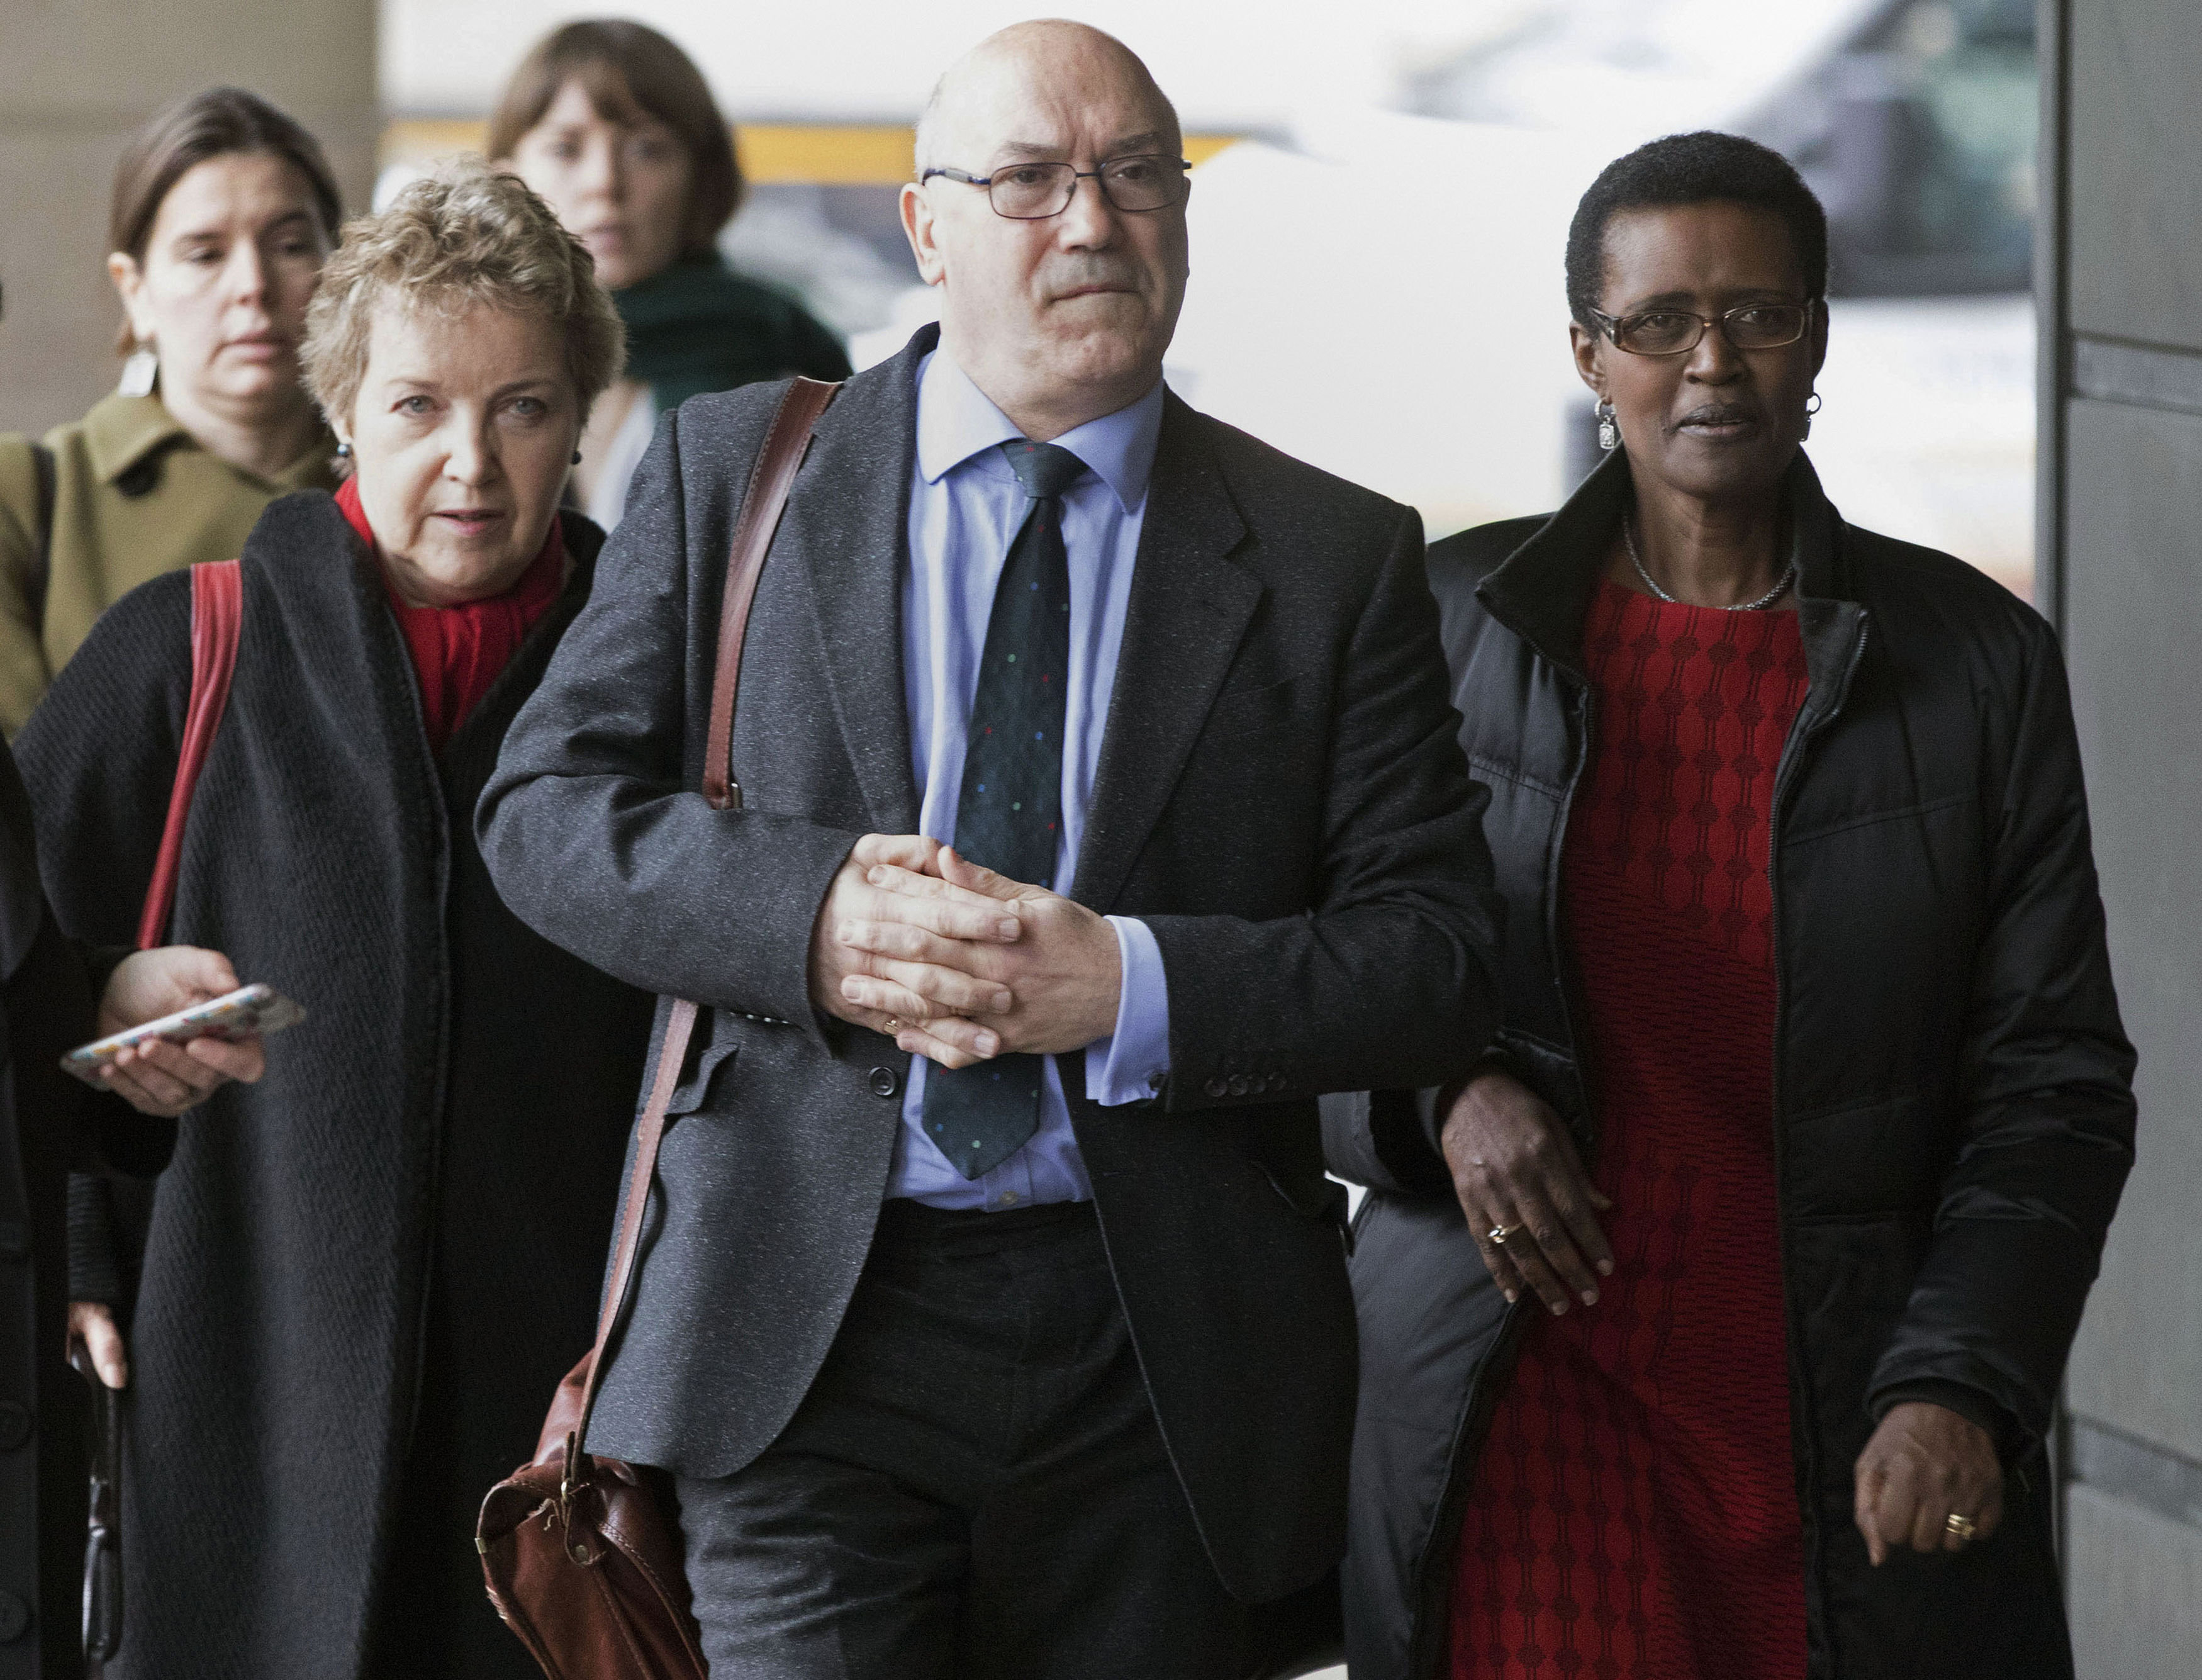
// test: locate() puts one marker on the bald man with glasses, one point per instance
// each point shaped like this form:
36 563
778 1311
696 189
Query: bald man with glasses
1101 811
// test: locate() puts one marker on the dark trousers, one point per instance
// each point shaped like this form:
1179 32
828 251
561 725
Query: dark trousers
974 1487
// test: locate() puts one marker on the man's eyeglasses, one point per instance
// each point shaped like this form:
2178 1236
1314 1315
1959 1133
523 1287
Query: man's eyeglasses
1035 192
1673 331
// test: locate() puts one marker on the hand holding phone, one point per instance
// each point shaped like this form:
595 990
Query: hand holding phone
158 1002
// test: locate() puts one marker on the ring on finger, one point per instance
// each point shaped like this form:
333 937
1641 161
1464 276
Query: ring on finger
1498 1234
1962 1528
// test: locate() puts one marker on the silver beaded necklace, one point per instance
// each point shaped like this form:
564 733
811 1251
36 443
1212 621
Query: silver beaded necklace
1781 584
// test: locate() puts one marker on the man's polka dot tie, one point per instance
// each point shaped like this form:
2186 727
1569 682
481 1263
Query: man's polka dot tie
1008 812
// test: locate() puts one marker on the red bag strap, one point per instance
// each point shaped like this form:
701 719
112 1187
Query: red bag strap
770 481
217 615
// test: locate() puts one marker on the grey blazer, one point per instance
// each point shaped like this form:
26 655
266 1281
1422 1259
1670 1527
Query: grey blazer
1280 796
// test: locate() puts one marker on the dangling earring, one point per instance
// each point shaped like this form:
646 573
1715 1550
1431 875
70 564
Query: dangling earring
141 372
1813 405
1609 429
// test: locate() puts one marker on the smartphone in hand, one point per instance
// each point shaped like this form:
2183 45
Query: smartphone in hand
249 1011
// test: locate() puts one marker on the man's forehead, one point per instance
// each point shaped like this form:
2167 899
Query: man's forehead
1026 102
1114 144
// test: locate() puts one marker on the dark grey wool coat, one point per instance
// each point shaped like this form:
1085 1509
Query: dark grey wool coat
1953 1104
48 1122
1279 795
364 1276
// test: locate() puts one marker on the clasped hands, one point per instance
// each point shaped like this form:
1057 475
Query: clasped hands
955 963
1515 1169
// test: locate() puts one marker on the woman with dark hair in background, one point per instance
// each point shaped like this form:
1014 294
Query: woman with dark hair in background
614 126
365 1276
1713 1328
224 210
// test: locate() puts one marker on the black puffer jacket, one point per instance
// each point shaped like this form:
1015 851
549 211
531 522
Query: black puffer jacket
1952 1089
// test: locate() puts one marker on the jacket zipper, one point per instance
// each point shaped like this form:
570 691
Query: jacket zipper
1785 778
1475 1409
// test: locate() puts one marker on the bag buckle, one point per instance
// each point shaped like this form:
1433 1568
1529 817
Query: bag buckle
569 1482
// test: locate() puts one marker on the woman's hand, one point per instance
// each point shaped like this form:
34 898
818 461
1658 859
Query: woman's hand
1925 1464
1515 1169
92 1324
165 1079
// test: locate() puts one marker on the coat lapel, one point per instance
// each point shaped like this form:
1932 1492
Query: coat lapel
1832 624
846 525
1542 591
1189 608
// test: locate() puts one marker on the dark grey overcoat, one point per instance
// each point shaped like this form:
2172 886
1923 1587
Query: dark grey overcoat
364 1275
46 1124
1279 795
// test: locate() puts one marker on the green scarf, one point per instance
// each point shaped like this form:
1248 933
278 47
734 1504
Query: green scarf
698 326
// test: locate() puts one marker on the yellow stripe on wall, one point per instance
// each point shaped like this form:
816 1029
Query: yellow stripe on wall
808 153
826 156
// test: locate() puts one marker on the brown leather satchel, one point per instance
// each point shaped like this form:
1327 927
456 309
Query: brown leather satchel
581 1554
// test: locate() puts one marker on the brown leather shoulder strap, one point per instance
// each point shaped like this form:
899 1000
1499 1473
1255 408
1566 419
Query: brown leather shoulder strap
762 503
777 463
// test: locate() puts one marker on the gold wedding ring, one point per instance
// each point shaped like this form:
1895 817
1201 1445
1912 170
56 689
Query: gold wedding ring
1964 1527
1499 1234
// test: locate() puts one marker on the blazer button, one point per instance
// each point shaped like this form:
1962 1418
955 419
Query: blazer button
884 1082
14 1425
1240 1085
1276 1082
1217 1087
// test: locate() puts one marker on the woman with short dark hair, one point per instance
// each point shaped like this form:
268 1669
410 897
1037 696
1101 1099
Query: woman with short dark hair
614 126
364 1276
1714 1326
223 211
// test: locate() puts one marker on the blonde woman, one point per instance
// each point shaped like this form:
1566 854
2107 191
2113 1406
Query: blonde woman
224 210
364 1276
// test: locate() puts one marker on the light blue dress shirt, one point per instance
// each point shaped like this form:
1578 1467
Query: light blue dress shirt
965 508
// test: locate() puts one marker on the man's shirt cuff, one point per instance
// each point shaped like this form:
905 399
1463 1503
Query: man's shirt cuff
1130 1064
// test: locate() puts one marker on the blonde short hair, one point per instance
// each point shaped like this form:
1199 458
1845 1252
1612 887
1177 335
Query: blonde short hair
460 237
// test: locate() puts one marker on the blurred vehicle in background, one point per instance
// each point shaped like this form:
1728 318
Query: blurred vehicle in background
1381 204
1439 276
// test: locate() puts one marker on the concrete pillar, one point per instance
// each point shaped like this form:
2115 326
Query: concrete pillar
2121 459
76 77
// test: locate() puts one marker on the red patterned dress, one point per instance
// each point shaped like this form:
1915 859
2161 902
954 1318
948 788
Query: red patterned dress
1634 1514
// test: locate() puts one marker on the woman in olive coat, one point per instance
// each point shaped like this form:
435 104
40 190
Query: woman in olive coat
224 210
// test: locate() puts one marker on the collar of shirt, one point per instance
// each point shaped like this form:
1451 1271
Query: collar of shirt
122 432
956 420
